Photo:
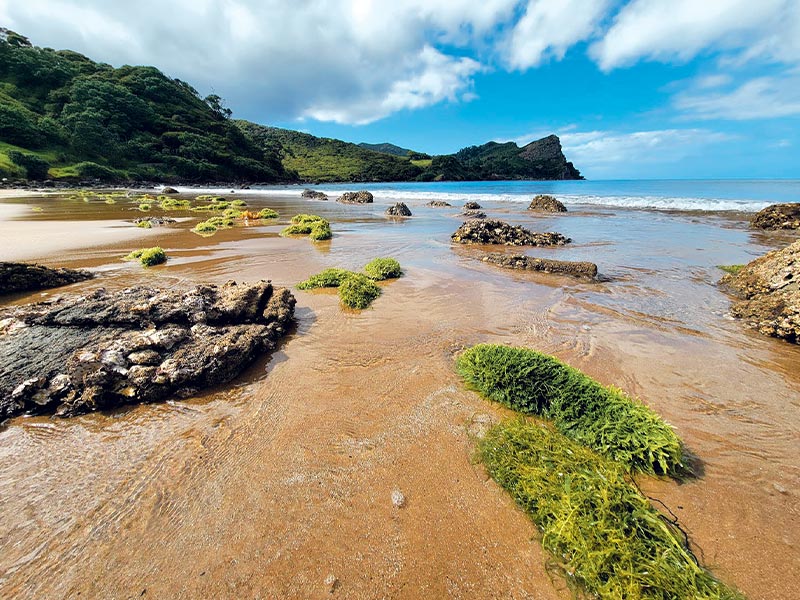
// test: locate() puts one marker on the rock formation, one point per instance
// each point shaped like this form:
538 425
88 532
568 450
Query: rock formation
169 190
21 277
398 210
585 270
500 232
471 206
768 289
546 203
438 204
778 216
155 221
314 195
474 214
362 197
79 354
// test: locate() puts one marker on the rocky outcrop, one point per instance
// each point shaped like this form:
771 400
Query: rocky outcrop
170 190
314 195
471 206
155 221
362 197
500 232
546 203
438 204
398 210
768 291
584 270
778 216
21 277
474 214
84 353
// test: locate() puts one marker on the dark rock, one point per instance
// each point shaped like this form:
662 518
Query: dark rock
398 210
438 204
314 195
768 291
169 190
472 206
474 214
778 216
500 232
79 354
362 197
545 203
21 277
155 221
584 270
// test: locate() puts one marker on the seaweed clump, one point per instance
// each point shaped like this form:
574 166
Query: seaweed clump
149 257
379 269
602 418
601 531
731 269
315 227
329 278
356 290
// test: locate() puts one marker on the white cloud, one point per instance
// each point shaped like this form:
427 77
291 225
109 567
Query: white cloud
759 98
548 29
680 29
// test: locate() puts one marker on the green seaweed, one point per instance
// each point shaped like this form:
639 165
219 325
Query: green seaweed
145 224
317 228
144 206
267 213
732 269
602 418
305 218
328 278
358 291
320 230
601 532
238 203
175 204
379 269
149 257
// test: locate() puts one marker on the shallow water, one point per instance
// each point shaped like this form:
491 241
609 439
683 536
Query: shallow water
266 487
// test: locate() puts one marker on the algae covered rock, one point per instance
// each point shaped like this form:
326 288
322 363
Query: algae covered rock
399 210
585 270
500 232
361 197
778 216
84 353
546 203
154 221
768 291
22 277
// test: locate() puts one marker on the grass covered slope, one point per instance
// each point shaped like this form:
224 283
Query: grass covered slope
89 120
602 418
603 534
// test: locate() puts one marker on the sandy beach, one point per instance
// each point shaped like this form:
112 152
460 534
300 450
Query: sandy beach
280 485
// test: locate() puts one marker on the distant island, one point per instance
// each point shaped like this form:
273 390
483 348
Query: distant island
65 117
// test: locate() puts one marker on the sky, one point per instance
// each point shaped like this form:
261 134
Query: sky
634 89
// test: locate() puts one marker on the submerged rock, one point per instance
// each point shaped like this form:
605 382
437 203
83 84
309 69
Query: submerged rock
22 277
314 195
582 269
170 190
768 289
500 232
398 210
474 214
778 216
84 353
546 203
155 221
472 206
438 204
362 197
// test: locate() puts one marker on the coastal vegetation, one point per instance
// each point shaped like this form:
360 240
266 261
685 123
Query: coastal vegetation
149 257
379 269
315 227
731 269
356 290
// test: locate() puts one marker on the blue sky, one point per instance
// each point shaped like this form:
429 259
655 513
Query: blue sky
635 88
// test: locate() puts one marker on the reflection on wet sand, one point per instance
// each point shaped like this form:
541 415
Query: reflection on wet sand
268 487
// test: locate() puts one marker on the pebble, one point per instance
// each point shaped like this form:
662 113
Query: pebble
398 499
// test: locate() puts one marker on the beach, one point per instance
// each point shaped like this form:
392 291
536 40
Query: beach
280 484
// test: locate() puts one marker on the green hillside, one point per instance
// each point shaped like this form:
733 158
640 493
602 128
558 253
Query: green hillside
386 148
63 115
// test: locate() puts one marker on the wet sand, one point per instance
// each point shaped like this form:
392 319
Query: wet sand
265 488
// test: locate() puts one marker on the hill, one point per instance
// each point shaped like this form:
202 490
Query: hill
63 115
386 148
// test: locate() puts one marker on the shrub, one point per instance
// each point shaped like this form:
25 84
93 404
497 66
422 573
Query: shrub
602 418
326 279
149 257
379 269
35 167
358 291
601 532
94 171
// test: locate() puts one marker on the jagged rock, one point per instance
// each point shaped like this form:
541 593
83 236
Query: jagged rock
21 277
398 210
79 354
170 190
472 206
778 216
155 221
585 270
546 203
314 195
474 214
500 232
768 289
362 197
438 204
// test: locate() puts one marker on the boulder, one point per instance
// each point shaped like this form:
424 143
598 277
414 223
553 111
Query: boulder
398 210
768 292
362 197
78 354
474 214
314 195
155 221
21 277
499 232
778 216
438 204
584 270
471 206
545 203
170 190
